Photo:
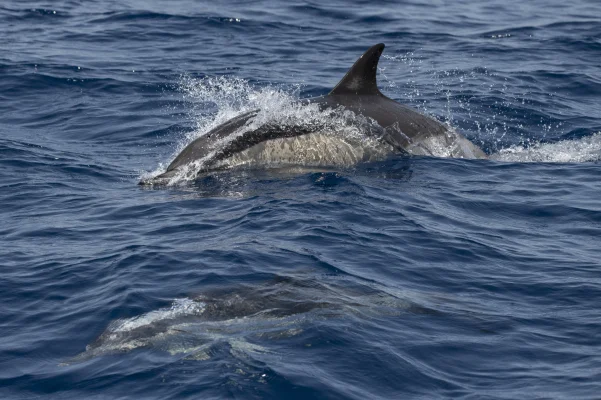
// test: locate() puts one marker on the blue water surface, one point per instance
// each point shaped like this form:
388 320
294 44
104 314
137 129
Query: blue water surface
407 278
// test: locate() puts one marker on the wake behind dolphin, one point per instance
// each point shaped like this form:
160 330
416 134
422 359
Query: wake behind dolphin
384 127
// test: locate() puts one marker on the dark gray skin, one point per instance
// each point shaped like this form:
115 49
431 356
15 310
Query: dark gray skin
400 126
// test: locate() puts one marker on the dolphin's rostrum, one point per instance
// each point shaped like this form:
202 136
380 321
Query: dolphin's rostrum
400 128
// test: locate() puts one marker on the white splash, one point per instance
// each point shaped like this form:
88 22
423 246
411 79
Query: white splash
179 308
215 100
587 149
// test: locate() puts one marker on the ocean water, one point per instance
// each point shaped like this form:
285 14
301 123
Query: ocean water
423 277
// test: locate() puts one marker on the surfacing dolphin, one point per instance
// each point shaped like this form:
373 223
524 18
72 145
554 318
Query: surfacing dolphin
397 127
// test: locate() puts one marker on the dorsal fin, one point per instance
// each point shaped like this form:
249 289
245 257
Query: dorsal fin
361 78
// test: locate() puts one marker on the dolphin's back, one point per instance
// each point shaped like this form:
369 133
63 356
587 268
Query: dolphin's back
202 146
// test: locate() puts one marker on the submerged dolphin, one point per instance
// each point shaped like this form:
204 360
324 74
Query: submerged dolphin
400 128
247 317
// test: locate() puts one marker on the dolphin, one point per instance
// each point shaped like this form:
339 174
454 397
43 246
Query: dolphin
247 316
397 127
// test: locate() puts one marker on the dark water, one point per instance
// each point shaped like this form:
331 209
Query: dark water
408 278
